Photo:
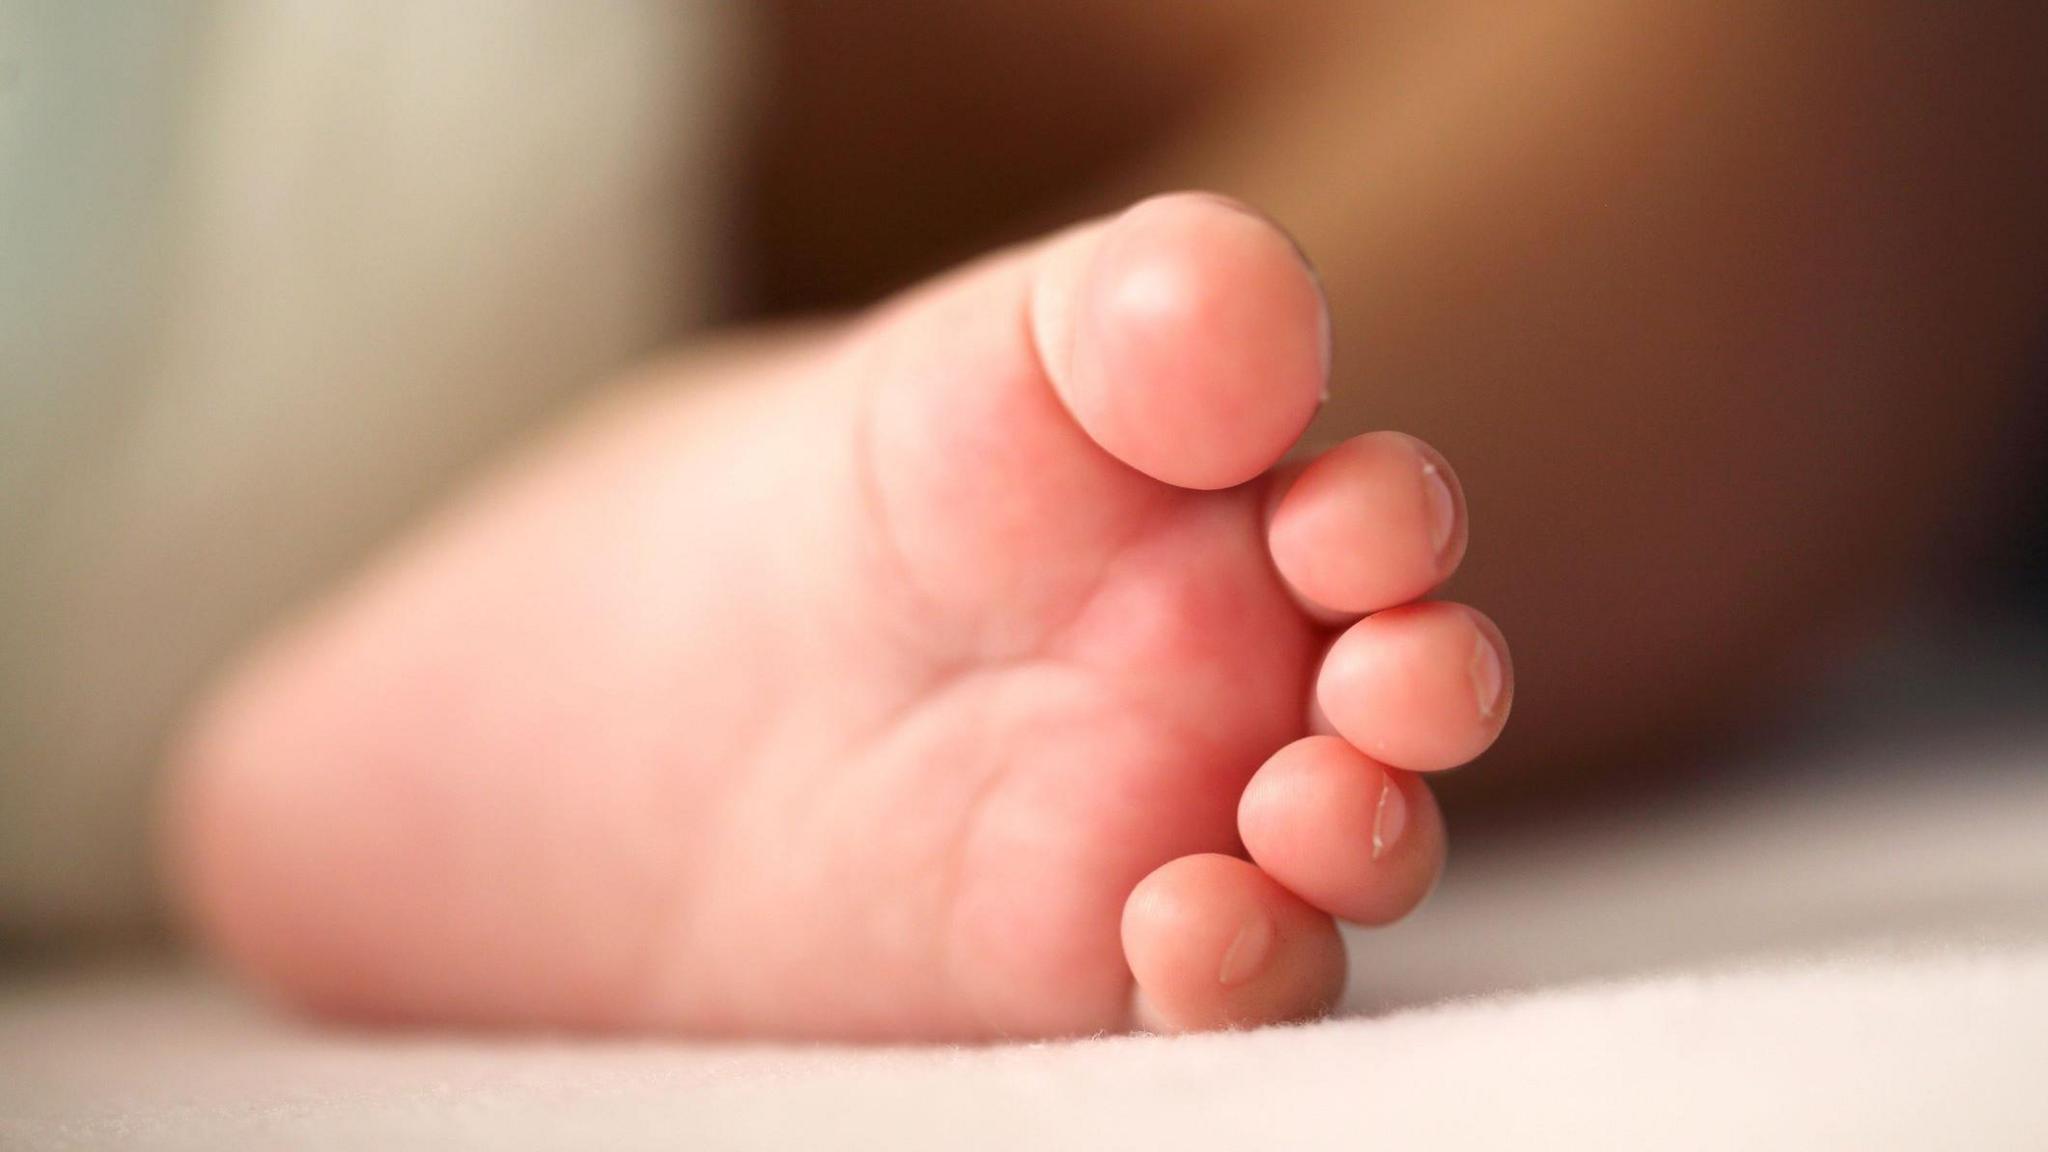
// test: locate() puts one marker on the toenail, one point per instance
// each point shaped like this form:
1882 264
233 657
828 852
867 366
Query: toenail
1389 817
1486 673
1443 508
1247 952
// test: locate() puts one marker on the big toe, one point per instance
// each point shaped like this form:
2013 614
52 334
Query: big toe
1189 339
1031 404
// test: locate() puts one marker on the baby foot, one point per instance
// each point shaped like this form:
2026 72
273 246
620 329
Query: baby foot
912 683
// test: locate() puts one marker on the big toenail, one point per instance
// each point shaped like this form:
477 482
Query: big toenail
1389 817
1247 952
1486 673
1443 507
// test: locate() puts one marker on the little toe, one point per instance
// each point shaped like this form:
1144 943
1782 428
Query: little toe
1192 342
1213 942
1353 837
1376 521
1422 687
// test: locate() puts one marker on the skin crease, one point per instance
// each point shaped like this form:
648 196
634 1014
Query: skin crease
1723 309
954 752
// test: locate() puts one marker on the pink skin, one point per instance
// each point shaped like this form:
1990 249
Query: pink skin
1205 413
854 691
1357 839
1214 942
1423 687
1348 542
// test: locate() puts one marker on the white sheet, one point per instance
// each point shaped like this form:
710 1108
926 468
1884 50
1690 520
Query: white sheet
1866 1053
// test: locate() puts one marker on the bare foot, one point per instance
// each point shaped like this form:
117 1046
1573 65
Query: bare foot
910 685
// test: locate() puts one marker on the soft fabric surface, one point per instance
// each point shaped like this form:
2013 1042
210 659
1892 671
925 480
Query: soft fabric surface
1844 944
1856 1054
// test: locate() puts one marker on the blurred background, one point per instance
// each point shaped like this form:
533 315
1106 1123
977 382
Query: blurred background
1731 314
